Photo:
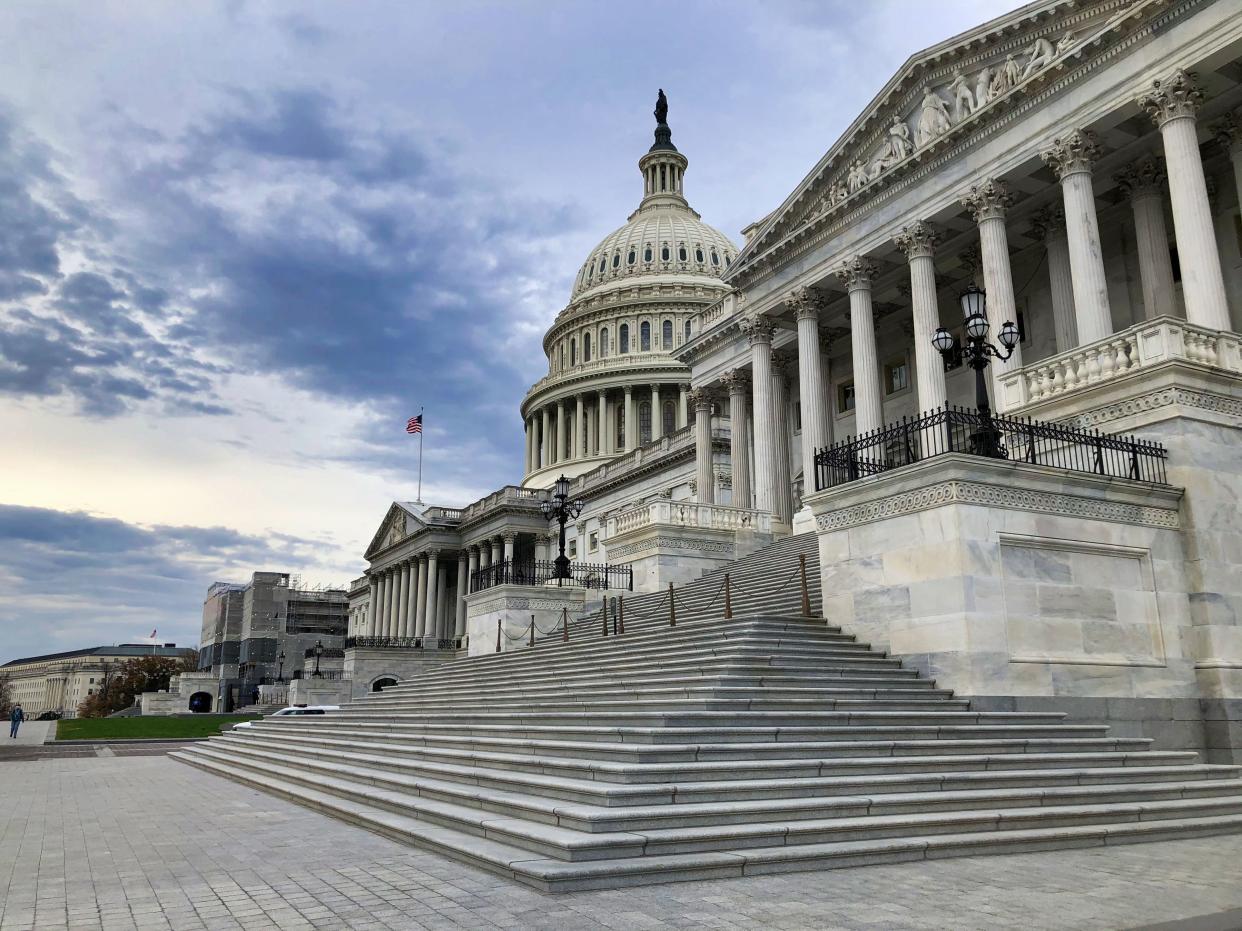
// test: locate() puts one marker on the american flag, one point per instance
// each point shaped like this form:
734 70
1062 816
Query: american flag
414 424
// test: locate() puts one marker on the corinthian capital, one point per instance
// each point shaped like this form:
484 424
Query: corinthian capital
1049 222
918 240
758 329
782 362
1228 134
806 302
1176 97
701 399
856 273
1072 154
737 381
988 200
1142 178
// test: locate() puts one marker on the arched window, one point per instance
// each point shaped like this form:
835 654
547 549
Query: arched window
586 347
632 257
664 253
644 337
667 334
715 258
603 264
647 254
623 339
616 259
603 343
644 422
669 417
687 339
573 352
562 357
620 426
681 253
698 254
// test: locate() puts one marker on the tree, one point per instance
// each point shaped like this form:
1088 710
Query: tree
189 661
6 695
119 688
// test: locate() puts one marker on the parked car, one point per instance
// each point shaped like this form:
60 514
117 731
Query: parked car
292 711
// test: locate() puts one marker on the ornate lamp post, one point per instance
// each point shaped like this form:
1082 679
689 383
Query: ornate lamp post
318 653
559 508
986 441
280 666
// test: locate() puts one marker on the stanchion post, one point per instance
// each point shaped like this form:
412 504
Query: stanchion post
672 608
620 614
603 615
497 635
728 599
565 624
532 630
806 592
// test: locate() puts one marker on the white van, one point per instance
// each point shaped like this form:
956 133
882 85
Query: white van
293 710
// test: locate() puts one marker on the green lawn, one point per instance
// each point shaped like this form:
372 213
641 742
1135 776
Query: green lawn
199 725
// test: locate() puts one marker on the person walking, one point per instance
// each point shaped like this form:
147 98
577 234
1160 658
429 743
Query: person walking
16 717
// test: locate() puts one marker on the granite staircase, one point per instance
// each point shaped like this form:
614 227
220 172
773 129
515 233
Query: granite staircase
718 747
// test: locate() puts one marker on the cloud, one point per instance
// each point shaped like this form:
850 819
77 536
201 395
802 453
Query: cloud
73 579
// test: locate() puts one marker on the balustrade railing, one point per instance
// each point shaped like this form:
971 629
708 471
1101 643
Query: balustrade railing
1141 346
689 514
402 643
543 572
963 430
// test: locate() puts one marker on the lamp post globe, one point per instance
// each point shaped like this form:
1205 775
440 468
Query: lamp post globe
559 508
318 653
280 666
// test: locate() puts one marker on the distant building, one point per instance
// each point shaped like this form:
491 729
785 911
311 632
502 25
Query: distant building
62 681
267 629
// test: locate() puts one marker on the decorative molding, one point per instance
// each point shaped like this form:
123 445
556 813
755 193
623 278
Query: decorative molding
758 329
1073 154
1002 496
1153 400
918 240
1143 178
737 381
1049 222
1172 98
987 200
699 544
806 303
856 273
1228 134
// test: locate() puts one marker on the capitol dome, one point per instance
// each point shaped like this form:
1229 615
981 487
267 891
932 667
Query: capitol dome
613 382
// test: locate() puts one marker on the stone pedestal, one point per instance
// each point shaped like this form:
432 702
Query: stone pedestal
512 607
366 667
320 691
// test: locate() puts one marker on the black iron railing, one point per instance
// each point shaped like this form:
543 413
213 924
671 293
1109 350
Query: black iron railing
962 430
328 653
541 572
402 643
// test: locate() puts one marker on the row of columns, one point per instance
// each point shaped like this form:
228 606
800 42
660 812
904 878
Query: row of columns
1078 289
411 599
583 427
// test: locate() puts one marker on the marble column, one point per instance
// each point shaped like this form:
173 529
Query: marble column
738 383
541 547
807 304
463 584
545 445
1049 226
1143 183
442 603
420 616
558 453
856 275
408 621
496 550
704 476
602 447
988 202
433 593
530 436
631 422
782 481
827 400
372 604
759 330
485 555
507 540
1173 105
1071 158
918 242
472 566
394 601
1228 133
657 415
579 443
403 601
683 406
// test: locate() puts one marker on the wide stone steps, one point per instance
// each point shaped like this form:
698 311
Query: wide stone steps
717 747
576 859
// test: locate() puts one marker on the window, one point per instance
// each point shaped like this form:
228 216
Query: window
644 422
647 254
603 264
845 397
632 257
573 352
664 253
687 337
797 416
571 549
562 357
644 337
620 427
698 254
603 343
593 542
623 339
616 259
896 376
92 680
715 258
669 417
667 334
681 254
586 347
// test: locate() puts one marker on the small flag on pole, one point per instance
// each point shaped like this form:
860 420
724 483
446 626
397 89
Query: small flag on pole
152 634
414 424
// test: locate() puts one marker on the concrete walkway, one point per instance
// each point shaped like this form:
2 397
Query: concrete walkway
144 843
30 734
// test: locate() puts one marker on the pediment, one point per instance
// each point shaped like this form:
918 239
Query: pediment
399 522
940 95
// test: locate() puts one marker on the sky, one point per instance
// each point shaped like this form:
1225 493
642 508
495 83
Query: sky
242 242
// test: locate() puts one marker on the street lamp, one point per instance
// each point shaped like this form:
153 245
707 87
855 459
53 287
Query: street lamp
318 653
560 509
985 441
280 666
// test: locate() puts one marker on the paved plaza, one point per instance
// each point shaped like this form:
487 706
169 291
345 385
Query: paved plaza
112 842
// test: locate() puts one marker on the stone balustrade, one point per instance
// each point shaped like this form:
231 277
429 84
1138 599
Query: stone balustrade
689 514
502 497
1142 346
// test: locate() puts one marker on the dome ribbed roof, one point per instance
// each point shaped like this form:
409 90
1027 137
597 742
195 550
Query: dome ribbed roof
660 239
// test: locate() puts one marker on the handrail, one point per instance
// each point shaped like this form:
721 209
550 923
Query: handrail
543 572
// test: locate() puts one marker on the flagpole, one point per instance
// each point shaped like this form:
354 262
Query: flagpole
420 456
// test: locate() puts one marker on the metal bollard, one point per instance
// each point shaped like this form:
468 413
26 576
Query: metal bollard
603 615
565 625
806 592
532 630
497 635
728 600
620 629
672 608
